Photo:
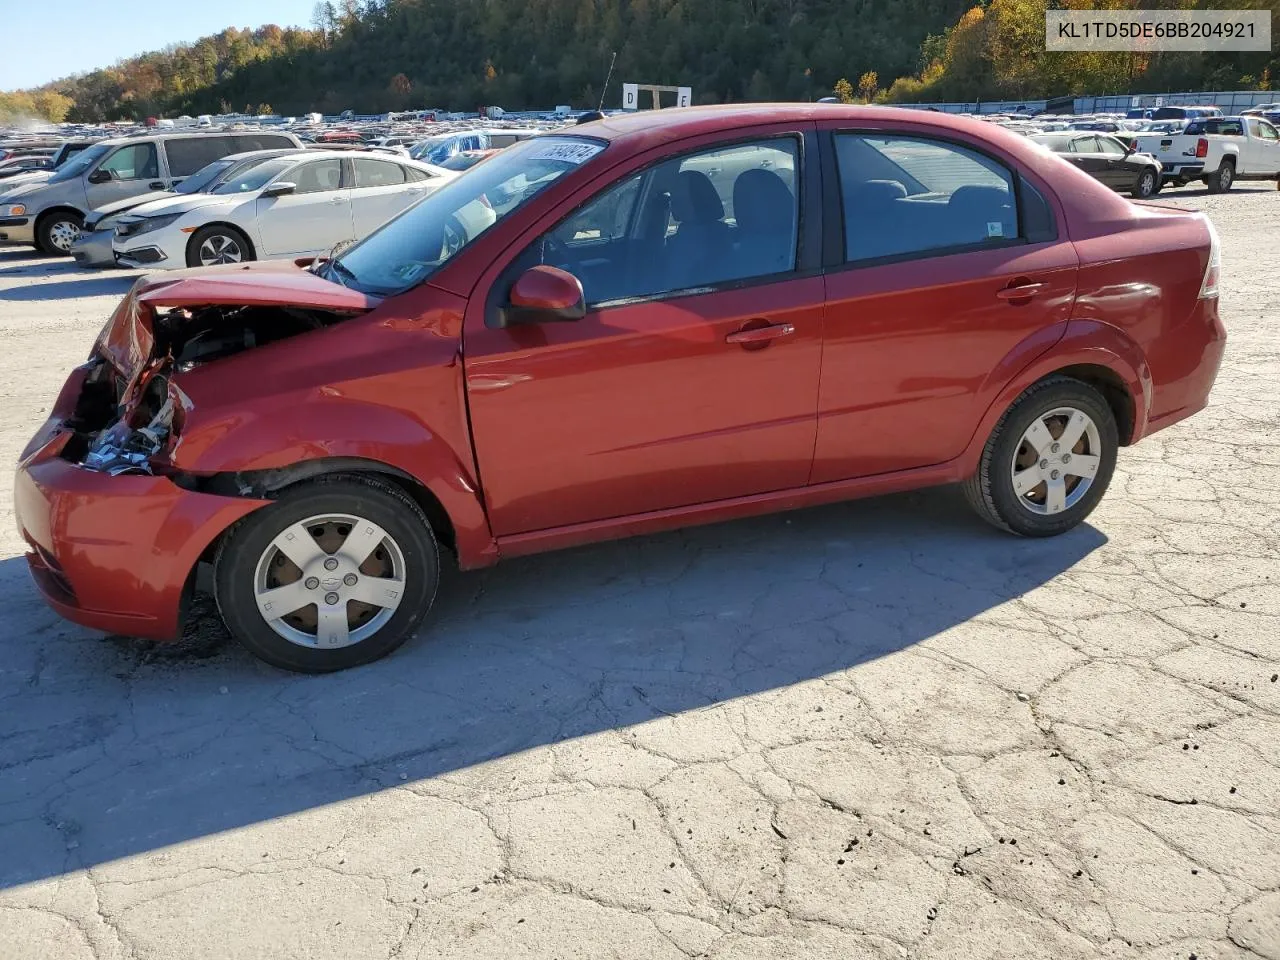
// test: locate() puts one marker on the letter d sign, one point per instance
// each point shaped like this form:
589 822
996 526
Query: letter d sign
630 96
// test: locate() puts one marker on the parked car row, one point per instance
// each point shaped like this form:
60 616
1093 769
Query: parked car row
171 200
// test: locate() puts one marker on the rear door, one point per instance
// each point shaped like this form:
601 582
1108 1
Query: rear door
378 192
948 261
310 220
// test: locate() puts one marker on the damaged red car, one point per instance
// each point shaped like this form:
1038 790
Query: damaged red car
657 320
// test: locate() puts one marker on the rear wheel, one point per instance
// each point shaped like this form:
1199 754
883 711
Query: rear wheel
1049 460
57 231
1221 180
218 244
339 572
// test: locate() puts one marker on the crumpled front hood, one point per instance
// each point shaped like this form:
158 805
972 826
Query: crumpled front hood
164 203
127 341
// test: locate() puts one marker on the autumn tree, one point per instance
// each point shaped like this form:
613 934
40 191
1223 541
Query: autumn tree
843 90
868 86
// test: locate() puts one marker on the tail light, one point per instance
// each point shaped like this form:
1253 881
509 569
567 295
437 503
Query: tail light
1202 147
1213 270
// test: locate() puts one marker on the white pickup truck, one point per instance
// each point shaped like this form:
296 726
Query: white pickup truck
1216 150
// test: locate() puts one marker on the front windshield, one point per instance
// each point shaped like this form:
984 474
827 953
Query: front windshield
203 177
423 147
255 177
405 251
79 163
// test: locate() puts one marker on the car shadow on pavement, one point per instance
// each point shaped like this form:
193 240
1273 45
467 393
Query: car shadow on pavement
86 285
111 748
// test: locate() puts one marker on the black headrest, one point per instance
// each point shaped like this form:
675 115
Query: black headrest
694 199
762 201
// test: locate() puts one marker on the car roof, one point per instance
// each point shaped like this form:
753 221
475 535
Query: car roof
647 128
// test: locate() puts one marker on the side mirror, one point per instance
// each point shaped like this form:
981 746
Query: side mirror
280 188
544 294
100 176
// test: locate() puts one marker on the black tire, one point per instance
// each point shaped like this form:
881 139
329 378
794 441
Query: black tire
237 562
990 490
1146 186
53 228
1222 179
212 234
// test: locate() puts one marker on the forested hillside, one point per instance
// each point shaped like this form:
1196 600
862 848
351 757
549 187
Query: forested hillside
378 55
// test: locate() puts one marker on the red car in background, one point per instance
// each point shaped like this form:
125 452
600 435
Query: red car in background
655 320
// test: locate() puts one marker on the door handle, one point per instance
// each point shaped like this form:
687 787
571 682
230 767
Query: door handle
156 185
337 200
775 331
1022 292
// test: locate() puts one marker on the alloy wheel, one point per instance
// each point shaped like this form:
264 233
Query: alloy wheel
220 248
1056 461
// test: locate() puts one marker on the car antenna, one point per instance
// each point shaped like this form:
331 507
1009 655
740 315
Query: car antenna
607 77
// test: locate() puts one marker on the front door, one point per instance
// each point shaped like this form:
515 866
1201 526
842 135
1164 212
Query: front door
313 218
693 376
943 276
1264 148
127 171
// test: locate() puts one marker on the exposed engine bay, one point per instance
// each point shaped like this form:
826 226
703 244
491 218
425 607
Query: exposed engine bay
122 424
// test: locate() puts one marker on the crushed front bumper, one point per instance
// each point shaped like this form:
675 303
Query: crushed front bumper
114 554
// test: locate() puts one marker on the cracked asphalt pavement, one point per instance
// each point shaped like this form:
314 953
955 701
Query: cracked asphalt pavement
872 730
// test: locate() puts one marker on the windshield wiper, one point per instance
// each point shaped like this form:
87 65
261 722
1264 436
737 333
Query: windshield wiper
339 268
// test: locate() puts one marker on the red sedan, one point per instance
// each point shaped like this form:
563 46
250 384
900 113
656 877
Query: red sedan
652 321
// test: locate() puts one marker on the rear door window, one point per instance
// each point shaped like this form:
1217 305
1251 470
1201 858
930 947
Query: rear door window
908 196
189 154
377 173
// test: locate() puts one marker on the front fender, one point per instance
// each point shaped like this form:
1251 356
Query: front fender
1083 343
278 432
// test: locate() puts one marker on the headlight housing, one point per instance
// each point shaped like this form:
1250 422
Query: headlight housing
13 210
133 228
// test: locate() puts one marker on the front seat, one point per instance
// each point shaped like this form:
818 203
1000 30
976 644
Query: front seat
697 252
765 212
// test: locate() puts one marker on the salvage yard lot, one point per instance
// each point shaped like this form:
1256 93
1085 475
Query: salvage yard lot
875 729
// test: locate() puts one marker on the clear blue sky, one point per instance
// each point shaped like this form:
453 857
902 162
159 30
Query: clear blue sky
55 38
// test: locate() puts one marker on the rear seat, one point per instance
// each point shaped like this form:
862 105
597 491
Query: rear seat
882 220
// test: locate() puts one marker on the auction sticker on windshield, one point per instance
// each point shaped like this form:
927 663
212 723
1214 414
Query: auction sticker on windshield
567 151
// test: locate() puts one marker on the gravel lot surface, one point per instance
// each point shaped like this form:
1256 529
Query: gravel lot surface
873 730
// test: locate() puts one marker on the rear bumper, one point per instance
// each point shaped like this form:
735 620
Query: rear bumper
1182 171
114 553
1184 365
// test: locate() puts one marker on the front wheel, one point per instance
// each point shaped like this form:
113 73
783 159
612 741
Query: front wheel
1220 180
56 232
217 244
1049 460
1147 185
338 572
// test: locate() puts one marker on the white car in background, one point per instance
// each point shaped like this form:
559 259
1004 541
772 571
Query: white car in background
296 206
